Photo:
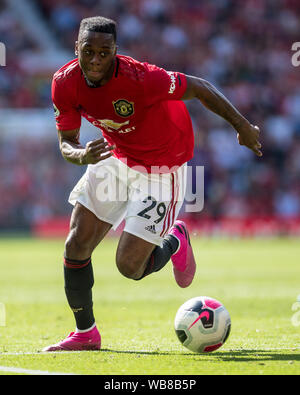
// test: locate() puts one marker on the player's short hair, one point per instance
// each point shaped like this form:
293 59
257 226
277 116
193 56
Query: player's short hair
98 24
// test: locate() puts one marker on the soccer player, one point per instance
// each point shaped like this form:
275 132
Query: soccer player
148 139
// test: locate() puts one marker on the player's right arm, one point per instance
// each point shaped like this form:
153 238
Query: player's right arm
68 123
72 151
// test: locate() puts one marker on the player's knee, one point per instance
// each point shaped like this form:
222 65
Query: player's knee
77 244
129 268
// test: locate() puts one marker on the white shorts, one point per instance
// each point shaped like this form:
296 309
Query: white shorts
149 203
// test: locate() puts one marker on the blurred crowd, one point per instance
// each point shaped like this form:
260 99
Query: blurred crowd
242 47
33 180
19 86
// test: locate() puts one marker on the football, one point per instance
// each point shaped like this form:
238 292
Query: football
202 324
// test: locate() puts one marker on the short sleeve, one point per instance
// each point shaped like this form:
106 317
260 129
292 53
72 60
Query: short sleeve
67 116
160 84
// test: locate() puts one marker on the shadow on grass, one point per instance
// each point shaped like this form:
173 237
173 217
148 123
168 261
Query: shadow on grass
257 355
229 356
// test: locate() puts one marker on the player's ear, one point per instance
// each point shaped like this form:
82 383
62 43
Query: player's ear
76 48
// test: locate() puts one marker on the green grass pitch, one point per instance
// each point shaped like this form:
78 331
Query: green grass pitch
257 280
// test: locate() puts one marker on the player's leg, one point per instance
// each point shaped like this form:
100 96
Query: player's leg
86 232
96 211
137 258
152 236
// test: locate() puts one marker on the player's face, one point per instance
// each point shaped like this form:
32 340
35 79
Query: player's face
96 56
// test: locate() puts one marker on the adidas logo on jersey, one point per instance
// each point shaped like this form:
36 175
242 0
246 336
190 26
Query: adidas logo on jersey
151 229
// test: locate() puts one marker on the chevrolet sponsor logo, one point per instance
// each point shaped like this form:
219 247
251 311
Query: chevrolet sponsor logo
108 123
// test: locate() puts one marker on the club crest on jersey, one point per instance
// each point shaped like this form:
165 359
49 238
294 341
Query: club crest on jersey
123 107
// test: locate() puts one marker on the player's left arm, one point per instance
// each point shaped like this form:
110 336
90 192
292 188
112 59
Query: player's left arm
215 101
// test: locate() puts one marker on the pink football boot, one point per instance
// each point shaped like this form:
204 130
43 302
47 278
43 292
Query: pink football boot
87 341
184 265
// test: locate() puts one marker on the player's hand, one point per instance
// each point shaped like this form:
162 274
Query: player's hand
96 151
248 135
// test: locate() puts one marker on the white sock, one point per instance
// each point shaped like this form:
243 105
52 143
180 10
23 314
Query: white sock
177 249
85 330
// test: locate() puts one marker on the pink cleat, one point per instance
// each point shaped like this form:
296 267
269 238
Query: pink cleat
87 341
184 265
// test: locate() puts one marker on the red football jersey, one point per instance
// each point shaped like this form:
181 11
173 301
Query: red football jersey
138 110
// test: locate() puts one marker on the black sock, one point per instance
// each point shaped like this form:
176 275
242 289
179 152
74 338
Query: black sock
161 255
79 280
